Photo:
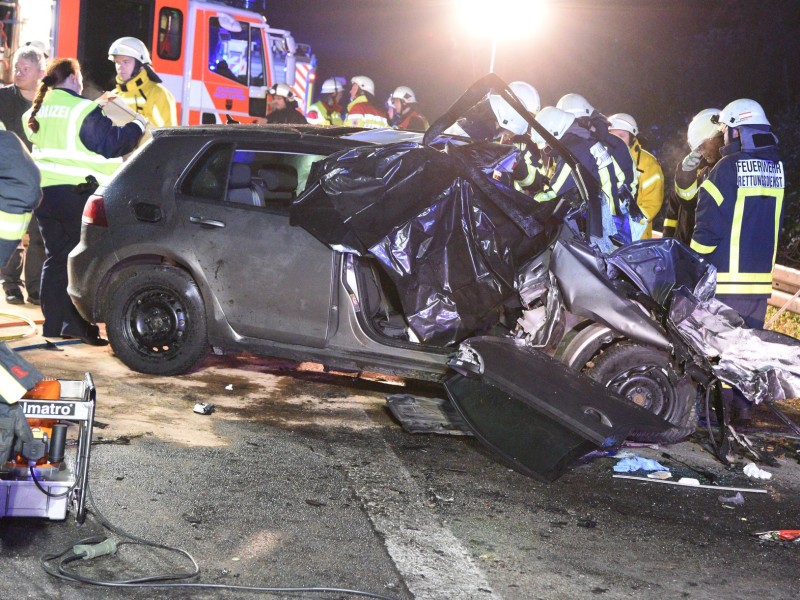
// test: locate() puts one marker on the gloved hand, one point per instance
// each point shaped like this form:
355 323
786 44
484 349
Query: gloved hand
692 161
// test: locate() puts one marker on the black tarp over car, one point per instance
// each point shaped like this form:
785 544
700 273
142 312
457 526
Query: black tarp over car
450 237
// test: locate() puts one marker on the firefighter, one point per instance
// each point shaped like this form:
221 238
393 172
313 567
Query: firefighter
404 110
139 85
650 191
29 65
75 146
19 194
284 106
530 174
589 152
739 210
626 179
362 112
705 140
329 108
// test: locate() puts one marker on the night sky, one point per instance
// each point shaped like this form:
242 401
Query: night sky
660 60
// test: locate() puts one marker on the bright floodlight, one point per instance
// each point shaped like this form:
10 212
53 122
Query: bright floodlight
501 18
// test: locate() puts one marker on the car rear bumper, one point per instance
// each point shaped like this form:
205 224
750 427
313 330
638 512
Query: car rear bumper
87 266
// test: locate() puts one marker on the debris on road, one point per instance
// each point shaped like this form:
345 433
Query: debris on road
689 482
426 415
229 387
780 535
752 471
203 408
737 499
637 463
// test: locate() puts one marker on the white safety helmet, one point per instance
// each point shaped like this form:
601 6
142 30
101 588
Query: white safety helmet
701 128
507 117
575 104
555 120
527 94
282 90
404 93
625 122
364 83
742 112
130 46
333 85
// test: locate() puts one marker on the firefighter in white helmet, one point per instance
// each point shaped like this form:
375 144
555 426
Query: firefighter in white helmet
139 85
362 111
328 110
705 140
739 217
530 174
650 192
403 113
284 106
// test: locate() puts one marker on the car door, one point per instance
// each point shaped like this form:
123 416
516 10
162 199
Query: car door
270 280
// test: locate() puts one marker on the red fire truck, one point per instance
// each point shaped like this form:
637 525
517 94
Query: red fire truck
217 58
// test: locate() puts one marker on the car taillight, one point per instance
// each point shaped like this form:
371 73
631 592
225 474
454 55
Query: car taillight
94 213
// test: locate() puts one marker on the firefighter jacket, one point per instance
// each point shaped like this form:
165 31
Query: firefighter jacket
286 115
322 113
530 175
739 212
627 175
650 194
682 202
76 139
360 113
412 121
148 98
19 195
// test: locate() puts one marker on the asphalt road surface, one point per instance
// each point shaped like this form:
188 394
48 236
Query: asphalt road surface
302 478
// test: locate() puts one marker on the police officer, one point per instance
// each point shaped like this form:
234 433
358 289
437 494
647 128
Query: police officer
406 117
362 112
139 85
650 193
284 106
329 108
74 144
15 99
705 140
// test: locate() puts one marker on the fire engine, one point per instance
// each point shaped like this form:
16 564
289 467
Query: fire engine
217 58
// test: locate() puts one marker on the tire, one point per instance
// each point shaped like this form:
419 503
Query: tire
644 376
156 320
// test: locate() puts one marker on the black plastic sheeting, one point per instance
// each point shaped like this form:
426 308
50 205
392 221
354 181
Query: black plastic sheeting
450 237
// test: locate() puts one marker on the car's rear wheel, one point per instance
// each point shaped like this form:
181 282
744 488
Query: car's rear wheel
644 376
156 320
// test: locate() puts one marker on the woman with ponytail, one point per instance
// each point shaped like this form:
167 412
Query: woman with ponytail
139 85
76 147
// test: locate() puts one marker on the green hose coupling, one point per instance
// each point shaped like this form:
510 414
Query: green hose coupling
89 551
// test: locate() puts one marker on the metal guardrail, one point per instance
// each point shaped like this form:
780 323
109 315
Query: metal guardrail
785 286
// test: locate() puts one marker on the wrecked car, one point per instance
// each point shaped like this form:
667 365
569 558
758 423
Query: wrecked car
400 254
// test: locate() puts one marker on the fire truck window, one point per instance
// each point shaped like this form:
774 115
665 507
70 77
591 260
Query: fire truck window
256 59
279 53
228 51
170 33
209 176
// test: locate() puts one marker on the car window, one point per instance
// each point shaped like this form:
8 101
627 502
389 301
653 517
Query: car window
208 178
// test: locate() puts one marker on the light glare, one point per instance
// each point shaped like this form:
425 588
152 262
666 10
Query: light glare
501 18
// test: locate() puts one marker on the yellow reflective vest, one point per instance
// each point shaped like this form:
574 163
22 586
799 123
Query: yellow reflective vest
57 148
650 195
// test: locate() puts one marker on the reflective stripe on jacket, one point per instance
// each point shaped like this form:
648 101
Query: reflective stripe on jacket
58 151
360 113
739 212
320 113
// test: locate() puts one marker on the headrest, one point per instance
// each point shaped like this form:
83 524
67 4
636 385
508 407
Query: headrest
279 178
240 176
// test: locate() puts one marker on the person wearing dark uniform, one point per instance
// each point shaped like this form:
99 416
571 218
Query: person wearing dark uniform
705 140
76 147
739 214
15 100
284 106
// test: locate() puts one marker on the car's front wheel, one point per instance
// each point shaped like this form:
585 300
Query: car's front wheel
644 376
156 320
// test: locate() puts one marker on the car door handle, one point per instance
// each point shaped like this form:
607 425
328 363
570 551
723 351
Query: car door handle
205 222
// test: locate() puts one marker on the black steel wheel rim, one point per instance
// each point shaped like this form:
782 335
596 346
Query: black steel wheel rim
156 322
648 386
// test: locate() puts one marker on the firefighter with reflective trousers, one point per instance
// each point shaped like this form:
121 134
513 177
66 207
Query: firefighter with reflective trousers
739 210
